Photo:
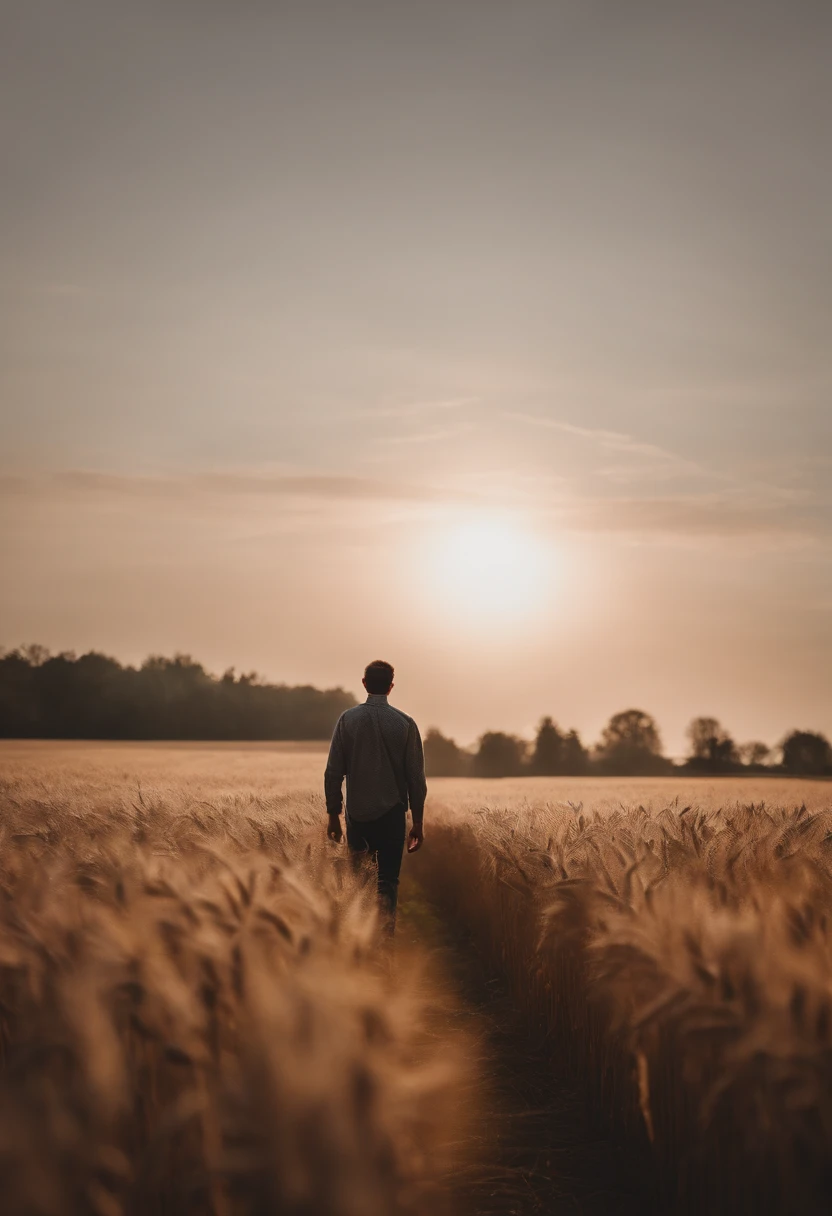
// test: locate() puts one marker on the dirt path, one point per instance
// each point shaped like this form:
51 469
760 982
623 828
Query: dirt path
536 1150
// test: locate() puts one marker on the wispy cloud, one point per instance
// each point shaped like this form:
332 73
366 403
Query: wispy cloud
764 513
221 484
54 289
657 462
434 436
65 290
417 409
710 517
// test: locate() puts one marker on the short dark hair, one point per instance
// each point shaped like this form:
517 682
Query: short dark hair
378 676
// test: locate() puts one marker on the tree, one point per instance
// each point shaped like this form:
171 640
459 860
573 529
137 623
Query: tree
711 746
35 654
94 697
19 707
805 751
499 755
555 753
630 744
575 755
443 758
547 757
754 754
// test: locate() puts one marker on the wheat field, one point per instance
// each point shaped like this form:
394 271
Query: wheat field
195 1015
198 1015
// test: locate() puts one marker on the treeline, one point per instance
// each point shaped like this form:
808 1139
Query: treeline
630 745
94 697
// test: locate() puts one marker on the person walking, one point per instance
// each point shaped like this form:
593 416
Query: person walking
379 751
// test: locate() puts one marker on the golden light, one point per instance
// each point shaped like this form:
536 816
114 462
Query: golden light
491 569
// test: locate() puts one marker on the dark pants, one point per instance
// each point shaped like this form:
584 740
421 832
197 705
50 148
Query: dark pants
383 840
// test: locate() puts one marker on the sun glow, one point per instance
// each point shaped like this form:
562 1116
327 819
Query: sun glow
492 570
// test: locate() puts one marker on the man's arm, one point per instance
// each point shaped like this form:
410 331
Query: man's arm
417 787
333 781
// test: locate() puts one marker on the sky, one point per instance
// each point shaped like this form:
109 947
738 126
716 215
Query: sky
491 339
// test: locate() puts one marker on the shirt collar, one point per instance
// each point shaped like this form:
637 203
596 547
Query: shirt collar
376 698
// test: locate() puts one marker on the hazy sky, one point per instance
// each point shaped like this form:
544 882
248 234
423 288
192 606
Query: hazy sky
490 338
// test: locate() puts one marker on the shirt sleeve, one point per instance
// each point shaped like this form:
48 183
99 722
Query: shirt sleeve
417 788
335 772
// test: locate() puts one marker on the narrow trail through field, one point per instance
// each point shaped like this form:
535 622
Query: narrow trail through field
536 1150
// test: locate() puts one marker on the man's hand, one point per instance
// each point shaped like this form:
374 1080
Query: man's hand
334 830
417 835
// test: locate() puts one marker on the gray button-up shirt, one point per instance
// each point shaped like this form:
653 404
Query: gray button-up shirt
378 777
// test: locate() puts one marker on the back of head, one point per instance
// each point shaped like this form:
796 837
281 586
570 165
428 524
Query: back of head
378 676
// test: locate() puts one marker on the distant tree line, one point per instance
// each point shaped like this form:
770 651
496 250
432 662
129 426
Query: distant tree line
630 745
95 697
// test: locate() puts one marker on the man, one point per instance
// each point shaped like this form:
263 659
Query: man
379 751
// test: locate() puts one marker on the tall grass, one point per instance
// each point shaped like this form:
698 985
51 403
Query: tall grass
197 1016
680 964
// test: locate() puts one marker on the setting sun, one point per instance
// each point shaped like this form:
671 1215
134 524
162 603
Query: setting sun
491 569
